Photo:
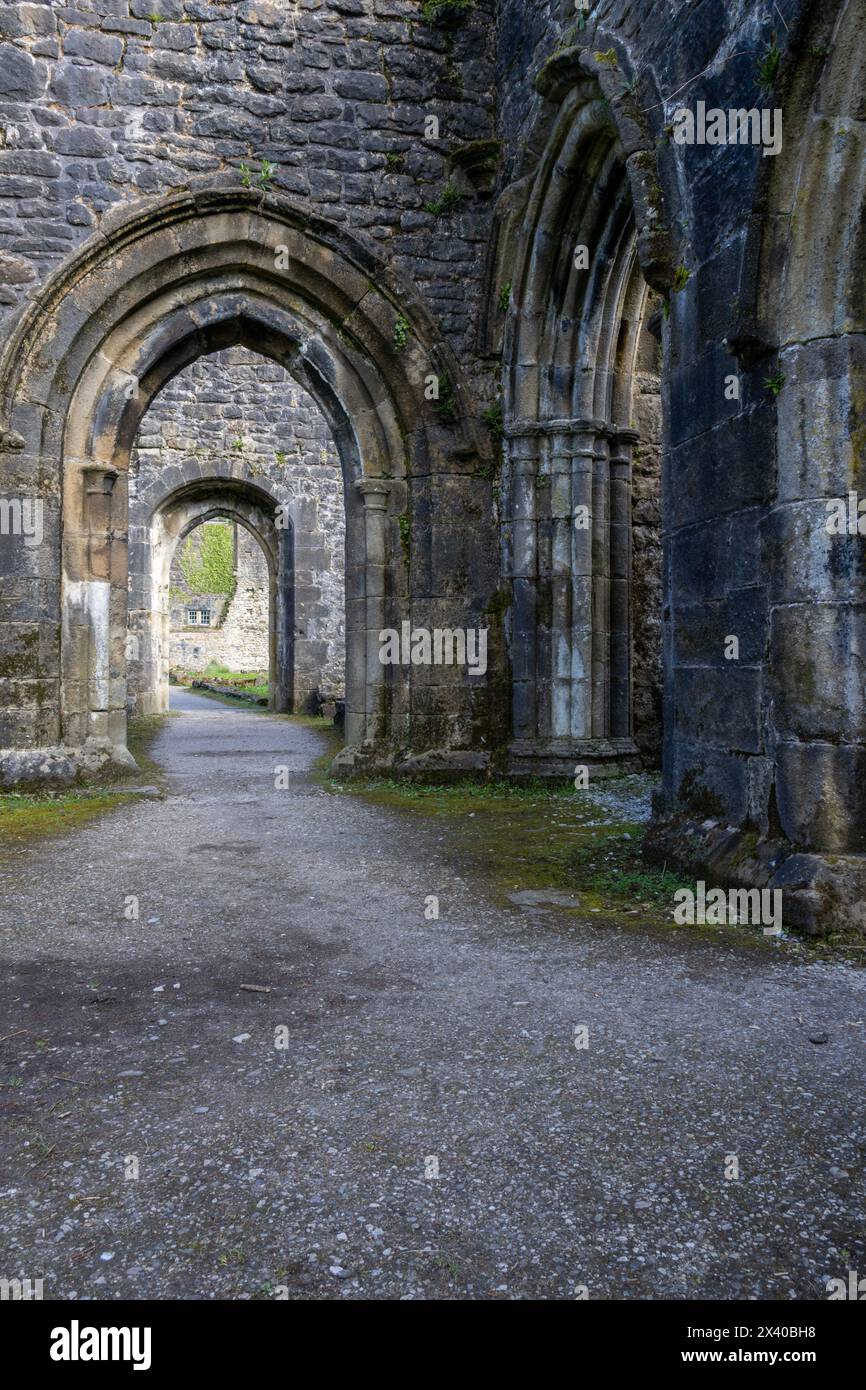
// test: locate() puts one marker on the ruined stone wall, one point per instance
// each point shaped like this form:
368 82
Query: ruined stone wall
235 405
110 101
407 133
719 475
359 109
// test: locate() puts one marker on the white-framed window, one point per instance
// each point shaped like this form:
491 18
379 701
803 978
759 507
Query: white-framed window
198 617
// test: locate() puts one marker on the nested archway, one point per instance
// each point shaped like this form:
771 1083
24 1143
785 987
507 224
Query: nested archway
182 278
149 630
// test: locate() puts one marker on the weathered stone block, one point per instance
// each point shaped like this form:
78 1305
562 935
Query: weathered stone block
821 796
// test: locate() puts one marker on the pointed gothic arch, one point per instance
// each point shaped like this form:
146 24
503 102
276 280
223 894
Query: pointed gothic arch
181 277
803 315
175 516
587 246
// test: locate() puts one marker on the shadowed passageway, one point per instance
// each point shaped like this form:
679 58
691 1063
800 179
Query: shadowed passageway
430 1126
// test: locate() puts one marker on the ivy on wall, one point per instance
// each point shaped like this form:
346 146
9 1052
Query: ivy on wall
207 559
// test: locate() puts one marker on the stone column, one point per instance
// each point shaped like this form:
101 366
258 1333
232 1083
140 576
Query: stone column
581 445
369 729
94 610
520 566
600 589
556 493
621 442
566 549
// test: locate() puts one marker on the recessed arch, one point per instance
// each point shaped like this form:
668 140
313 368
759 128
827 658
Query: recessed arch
580 304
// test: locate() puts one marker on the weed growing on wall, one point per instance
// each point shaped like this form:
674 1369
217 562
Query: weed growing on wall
207 560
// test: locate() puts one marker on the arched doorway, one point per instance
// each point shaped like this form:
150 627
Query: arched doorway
802 319
220 602
195 273
237 422
150 608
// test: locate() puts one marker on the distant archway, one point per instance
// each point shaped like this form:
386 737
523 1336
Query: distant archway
149 630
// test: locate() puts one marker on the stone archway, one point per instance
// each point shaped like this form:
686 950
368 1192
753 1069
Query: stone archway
581 305
172 521
183 277
803 315
765 762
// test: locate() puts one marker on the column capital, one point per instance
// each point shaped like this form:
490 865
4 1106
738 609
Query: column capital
623 434
99 478
375 492
532 429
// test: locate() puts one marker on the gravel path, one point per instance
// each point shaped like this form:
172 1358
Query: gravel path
430 1128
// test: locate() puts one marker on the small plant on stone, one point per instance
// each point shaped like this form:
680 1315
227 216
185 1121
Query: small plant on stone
263 179
505 298
607 59
445 11
774 384
446 405
156 18
394 162
401 333
768 65
681 278
238 446
266 174
280 458
446 202
494 421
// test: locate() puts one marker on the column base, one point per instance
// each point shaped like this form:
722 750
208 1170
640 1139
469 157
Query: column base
556 759
434 765
821 894
62 766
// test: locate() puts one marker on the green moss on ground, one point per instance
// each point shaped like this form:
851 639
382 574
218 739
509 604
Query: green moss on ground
33 815
312 721
27 817
535 837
